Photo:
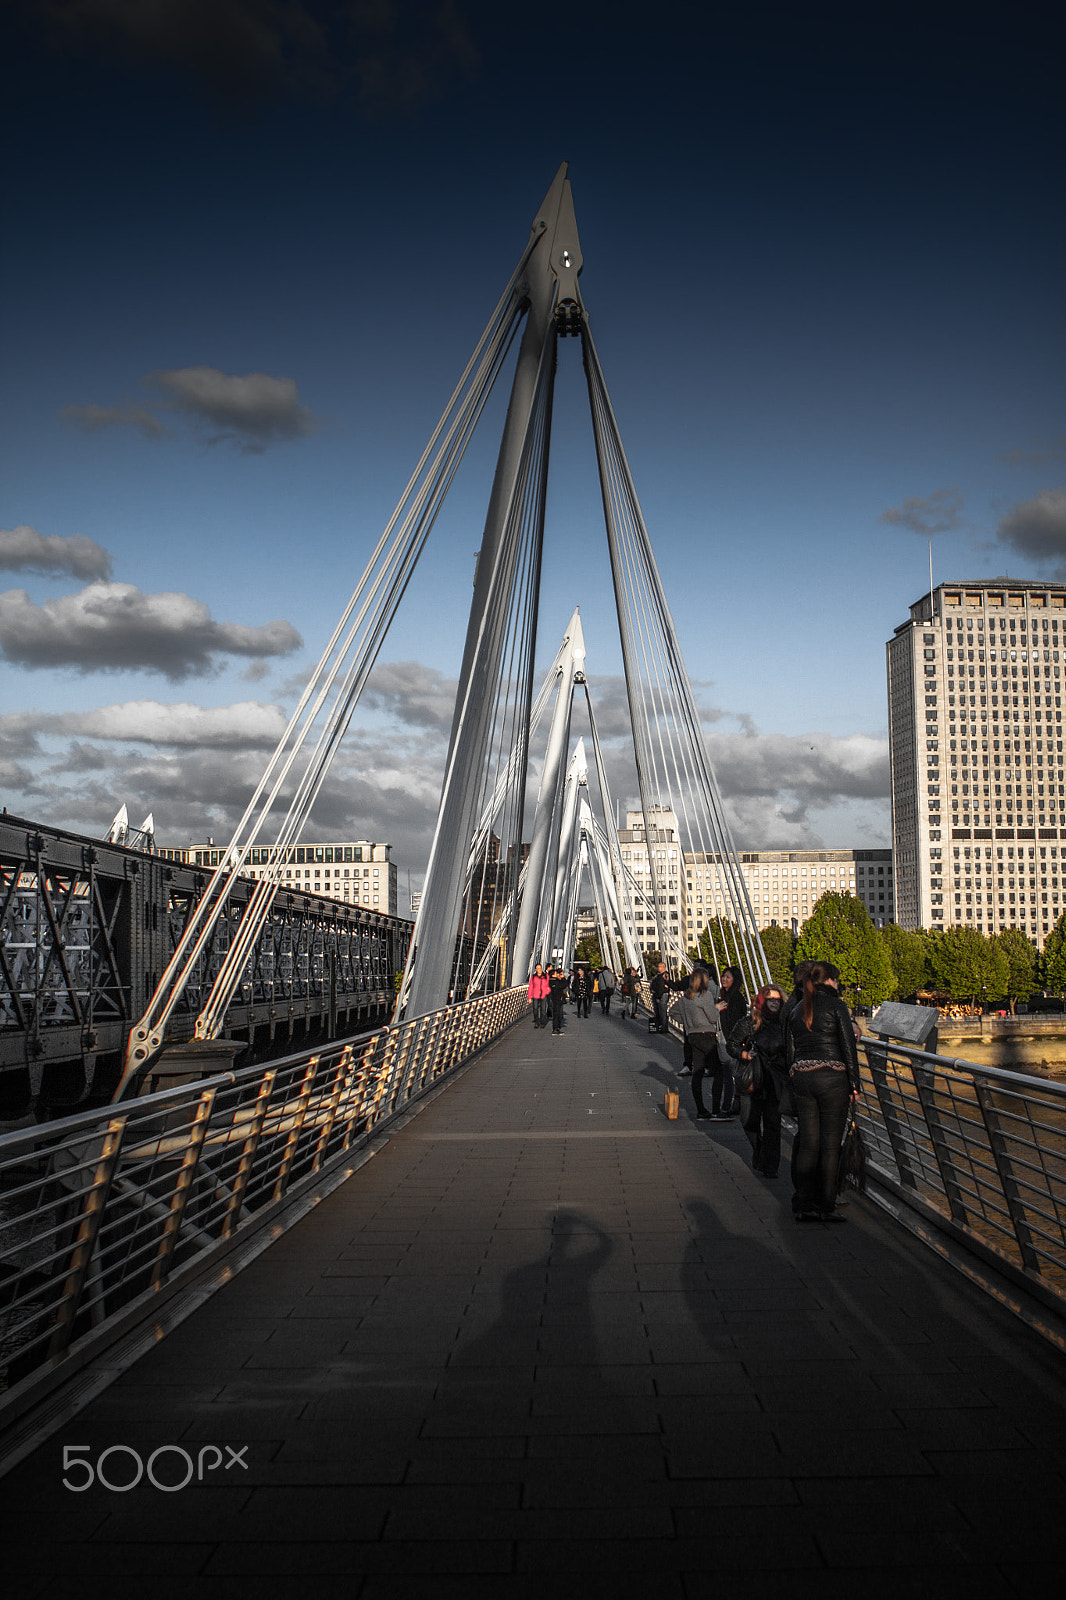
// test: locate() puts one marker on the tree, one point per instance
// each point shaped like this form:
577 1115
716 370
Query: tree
779 944
969 966
908 954
839 930
1021 962
1055 957
721 944
588 949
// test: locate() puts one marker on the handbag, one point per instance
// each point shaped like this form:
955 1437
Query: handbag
851 1168
747 1075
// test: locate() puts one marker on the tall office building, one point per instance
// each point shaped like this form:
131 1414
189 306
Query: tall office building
975 745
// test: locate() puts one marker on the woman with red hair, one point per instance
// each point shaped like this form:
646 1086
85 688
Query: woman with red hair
762 1042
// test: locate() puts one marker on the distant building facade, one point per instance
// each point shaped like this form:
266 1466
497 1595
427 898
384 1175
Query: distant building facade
357 872
783 886
975 745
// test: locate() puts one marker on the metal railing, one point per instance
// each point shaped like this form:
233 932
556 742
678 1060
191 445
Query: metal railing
102 1211
979 1151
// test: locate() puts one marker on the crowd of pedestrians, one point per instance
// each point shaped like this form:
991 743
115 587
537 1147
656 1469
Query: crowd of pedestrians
794 1055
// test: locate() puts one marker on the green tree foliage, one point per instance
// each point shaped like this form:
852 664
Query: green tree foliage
721 945
908 955
968 966
779 944
1055 957
1021 962
588 949
839 930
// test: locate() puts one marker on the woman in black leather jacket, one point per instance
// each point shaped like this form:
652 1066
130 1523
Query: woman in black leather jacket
733 1006
763 1037
824 1074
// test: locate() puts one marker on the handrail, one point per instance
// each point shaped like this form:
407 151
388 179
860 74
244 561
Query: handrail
102 1210
980 1151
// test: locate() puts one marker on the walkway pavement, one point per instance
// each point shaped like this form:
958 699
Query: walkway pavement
547 1343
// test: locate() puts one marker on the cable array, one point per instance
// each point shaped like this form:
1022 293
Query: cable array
476 900
325 708
673 768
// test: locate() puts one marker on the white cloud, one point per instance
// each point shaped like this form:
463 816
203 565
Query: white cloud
195 767
252 411
815 767
1038 454
248 724
94 419
113 627
932 513
23 549
417 695
1037 528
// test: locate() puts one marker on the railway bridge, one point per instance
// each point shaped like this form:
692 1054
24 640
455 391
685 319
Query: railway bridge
86 929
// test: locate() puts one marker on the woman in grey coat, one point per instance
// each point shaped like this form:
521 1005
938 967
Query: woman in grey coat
699 1011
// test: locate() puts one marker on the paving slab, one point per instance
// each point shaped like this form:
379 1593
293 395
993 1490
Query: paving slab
547 1341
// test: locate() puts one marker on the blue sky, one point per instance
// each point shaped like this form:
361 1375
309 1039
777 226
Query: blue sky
823 264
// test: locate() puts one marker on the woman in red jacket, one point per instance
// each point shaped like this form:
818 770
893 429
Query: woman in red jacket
538 993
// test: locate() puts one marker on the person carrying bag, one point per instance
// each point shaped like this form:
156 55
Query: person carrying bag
699 1013
758 1045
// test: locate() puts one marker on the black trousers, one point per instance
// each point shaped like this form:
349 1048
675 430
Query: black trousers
558 1001
821 1098
704 1048
761 1117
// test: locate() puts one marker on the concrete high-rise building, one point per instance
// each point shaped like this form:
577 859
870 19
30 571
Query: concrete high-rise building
975 744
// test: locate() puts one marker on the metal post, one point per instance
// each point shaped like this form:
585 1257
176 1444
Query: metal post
183 1183
925 1083
251 1143
85 1243
1008 1181
299 1117
343 1070
877 1057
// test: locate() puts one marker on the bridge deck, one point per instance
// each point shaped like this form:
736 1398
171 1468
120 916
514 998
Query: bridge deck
548 1343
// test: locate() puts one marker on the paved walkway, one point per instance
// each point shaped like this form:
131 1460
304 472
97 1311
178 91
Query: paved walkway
548 1344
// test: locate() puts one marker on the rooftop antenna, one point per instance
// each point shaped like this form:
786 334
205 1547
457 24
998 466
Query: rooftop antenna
930 580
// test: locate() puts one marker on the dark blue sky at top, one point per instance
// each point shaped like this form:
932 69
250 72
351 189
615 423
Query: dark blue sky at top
823 263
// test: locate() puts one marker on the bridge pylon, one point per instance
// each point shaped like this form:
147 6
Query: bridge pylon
491 724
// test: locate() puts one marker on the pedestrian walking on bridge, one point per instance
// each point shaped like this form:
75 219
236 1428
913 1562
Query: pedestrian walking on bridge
539 991
558 985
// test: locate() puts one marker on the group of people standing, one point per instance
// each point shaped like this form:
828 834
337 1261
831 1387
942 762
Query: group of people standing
796 1053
